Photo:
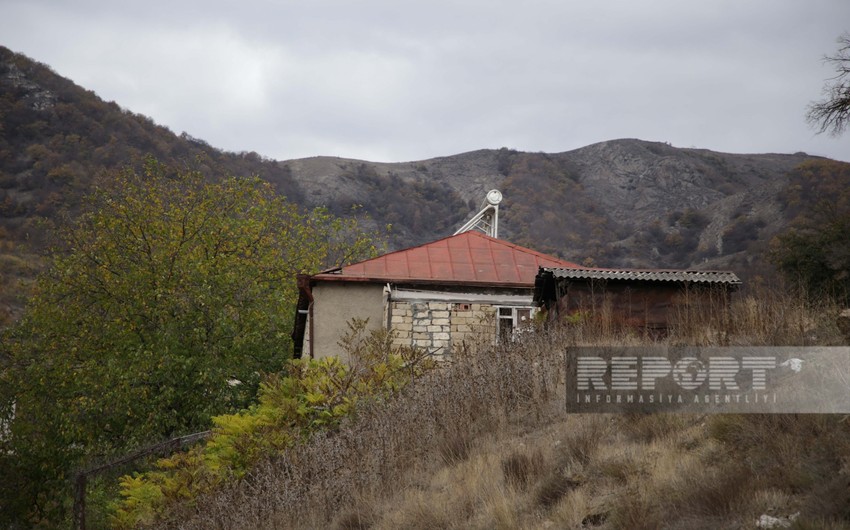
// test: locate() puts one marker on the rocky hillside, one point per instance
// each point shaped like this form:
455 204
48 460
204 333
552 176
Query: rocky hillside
617 203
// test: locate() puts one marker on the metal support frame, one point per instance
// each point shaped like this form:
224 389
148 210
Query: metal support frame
486 220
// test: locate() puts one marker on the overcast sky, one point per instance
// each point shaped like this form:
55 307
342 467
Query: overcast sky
392 80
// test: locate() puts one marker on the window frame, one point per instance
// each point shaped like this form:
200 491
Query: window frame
517 326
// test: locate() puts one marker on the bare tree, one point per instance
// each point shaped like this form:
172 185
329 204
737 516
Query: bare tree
832 114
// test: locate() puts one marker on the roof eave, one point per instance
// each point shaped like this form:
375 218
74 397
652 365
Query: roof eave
418 281
645 275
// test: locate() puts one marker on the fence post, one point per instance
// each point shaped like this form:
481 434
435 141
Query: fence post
81 478
80 501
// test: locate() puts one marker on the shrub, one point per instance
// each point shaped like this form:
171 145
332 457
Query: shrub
316 394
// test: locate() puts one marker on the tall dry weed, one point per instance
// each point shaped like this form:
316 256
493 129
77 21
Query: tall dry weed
439 420
431 423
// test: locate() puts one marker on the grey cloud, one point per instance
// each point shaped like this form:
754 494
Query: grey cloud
408 80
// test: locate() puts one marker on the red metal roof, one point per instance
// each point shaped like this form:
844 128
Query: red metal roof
470 257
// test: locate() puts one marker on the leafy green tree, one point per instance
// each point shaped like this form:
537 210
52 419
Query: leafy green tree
814 252
314 395
169 301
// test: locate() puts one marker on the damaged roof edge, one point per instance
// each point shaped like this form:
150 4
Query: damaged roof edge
696 276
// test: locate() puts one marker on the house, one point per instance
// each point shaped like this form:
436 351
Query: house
472 286
437 296
639 298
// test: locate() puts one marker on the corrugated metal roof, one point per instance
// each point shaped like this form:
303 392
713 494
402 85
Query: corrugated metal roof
645 275
470 257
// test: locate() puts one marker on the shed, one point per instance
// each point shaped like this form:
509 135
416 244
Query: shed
640 298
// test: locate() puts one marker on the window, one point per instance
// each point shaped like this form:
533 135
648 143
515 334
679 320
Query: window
512 321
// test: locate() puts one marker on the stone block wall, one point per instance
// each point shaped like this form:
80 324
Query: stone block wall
441 327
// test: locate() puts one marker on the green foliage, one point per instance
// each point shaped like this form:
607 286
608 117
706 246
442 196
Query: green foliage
316 394
814 252
575 318
51 153
171 299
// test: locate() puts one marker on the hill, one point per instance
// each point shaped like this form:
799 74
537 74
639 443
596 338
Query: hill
56 138
626 203
621 203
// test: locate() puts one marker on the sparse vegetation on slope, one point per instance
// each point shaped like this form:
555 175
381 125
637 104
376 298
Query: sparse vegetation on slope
485 443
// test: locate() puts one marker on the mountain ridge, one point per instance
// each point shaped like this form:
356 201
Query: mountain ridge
617 203
622 184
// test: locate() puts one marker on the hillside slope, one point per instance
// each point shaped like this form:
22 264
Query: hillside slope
56 138
618 203
505 453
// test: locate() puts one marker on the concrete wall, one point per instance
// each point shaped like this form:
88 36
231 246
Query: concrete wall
336 303
426 320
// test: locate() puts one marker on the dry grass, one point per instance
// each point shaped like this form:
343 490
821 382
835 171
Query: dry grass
520 468
485 442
